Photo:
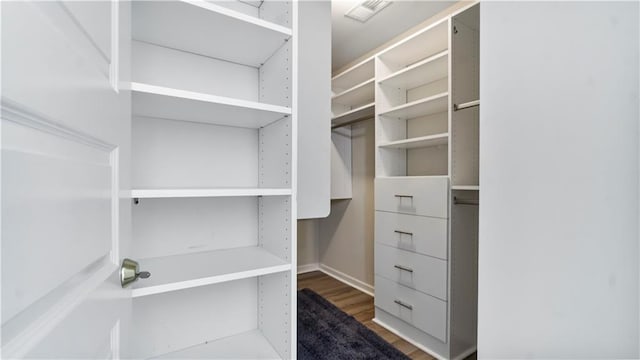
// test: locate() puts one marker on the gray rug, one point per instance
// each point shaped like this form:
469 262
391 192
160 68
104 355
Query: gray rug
327 333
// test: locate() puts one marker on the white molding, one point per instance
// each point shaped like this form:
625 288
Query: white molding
24 116
407 339
308 268
466 353
347 279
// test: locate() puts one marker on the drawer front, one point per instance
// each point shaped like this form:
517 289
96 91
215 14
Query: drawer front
419 272
422 311
416 196
424 235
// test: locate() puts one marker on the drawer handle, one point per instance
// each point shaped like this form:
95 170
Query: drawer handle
403 268
404 196
403 232
403 304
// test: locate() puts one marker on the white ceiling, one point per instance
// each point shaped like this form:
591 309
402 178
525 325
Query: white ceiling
352 39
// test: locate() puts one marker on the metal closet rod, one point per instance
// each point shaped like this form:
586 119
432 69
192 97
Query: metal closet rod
466 105
350 122
457 201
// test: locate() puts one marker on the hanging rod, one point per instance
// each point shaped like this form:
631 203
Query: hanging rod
469 104
457 201
350 122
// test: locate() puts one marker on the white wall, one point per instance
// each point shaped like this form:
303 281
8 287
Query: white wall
558 251
345 239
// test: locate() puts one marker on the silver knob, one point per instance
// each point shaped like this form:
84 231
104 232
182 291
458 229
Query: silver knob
130 272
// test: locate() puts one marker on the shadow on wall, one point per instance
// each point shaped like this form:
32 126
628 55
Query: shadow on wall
345 237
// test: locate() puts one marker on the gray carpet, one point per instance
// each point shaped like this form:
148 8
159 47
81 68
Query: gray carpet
327 333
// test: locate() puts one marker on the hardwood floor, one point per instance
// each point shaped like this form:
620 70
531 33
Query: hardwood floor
357 304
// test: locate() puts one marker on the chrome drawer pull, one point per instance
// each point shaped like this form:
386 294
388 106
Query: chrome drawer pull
403 232
403 268
403 196
405 305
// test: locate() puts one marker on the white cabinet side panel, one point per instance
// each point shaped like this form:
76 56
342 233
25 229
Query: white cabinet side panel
314 114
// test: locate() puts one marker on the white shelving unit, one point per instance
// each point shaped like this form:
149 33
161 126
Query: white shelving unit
166 103
216 192
232 347
178 272
417 142
426 191
213 151
353 100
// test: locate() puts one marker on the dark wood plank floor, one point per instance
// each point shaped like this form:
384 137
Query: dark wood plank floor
357 304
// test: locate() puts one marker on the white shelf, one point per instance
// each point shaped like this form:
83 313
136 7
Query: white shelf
465 187
354 75
422 45
363 112
358 94
214 192
230 35
167 103
171 273
427 106
426 71
248 345
418 142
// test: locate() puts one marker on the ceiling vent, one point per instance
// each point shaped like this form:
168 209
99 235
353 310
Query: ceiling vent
366 9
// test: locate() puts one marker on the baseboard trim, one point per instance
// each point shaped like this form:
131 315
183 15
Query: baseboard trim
416 344
349 280
422 346
470 351
308 268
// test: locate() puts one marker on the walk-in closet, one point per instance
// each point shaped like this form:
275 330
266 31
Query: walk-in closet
326 179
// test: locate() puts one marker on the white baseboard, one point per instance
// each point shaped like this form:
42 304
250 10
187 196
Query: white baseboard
349 280
408 339
308 268
466 353
421 346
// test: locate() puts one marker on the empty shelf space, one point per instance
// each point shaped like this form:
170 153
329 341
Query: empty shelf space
230 35
418 142
213 192
423 72
354 75
171 273
427 106
363 112
357 95
465 187
415 48
167 103
248 345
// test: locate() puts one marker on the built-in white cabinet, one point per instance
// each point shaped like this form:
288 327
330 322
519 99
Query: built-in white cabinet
213 169
426 189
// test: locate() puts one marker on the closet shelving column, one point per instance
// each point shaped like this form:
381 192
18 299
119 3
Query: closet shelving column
353 100
214 143
426 168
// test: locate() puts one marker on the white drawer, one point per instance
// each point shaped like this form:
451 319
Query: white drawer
424 235
426 196
422 311
420 272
